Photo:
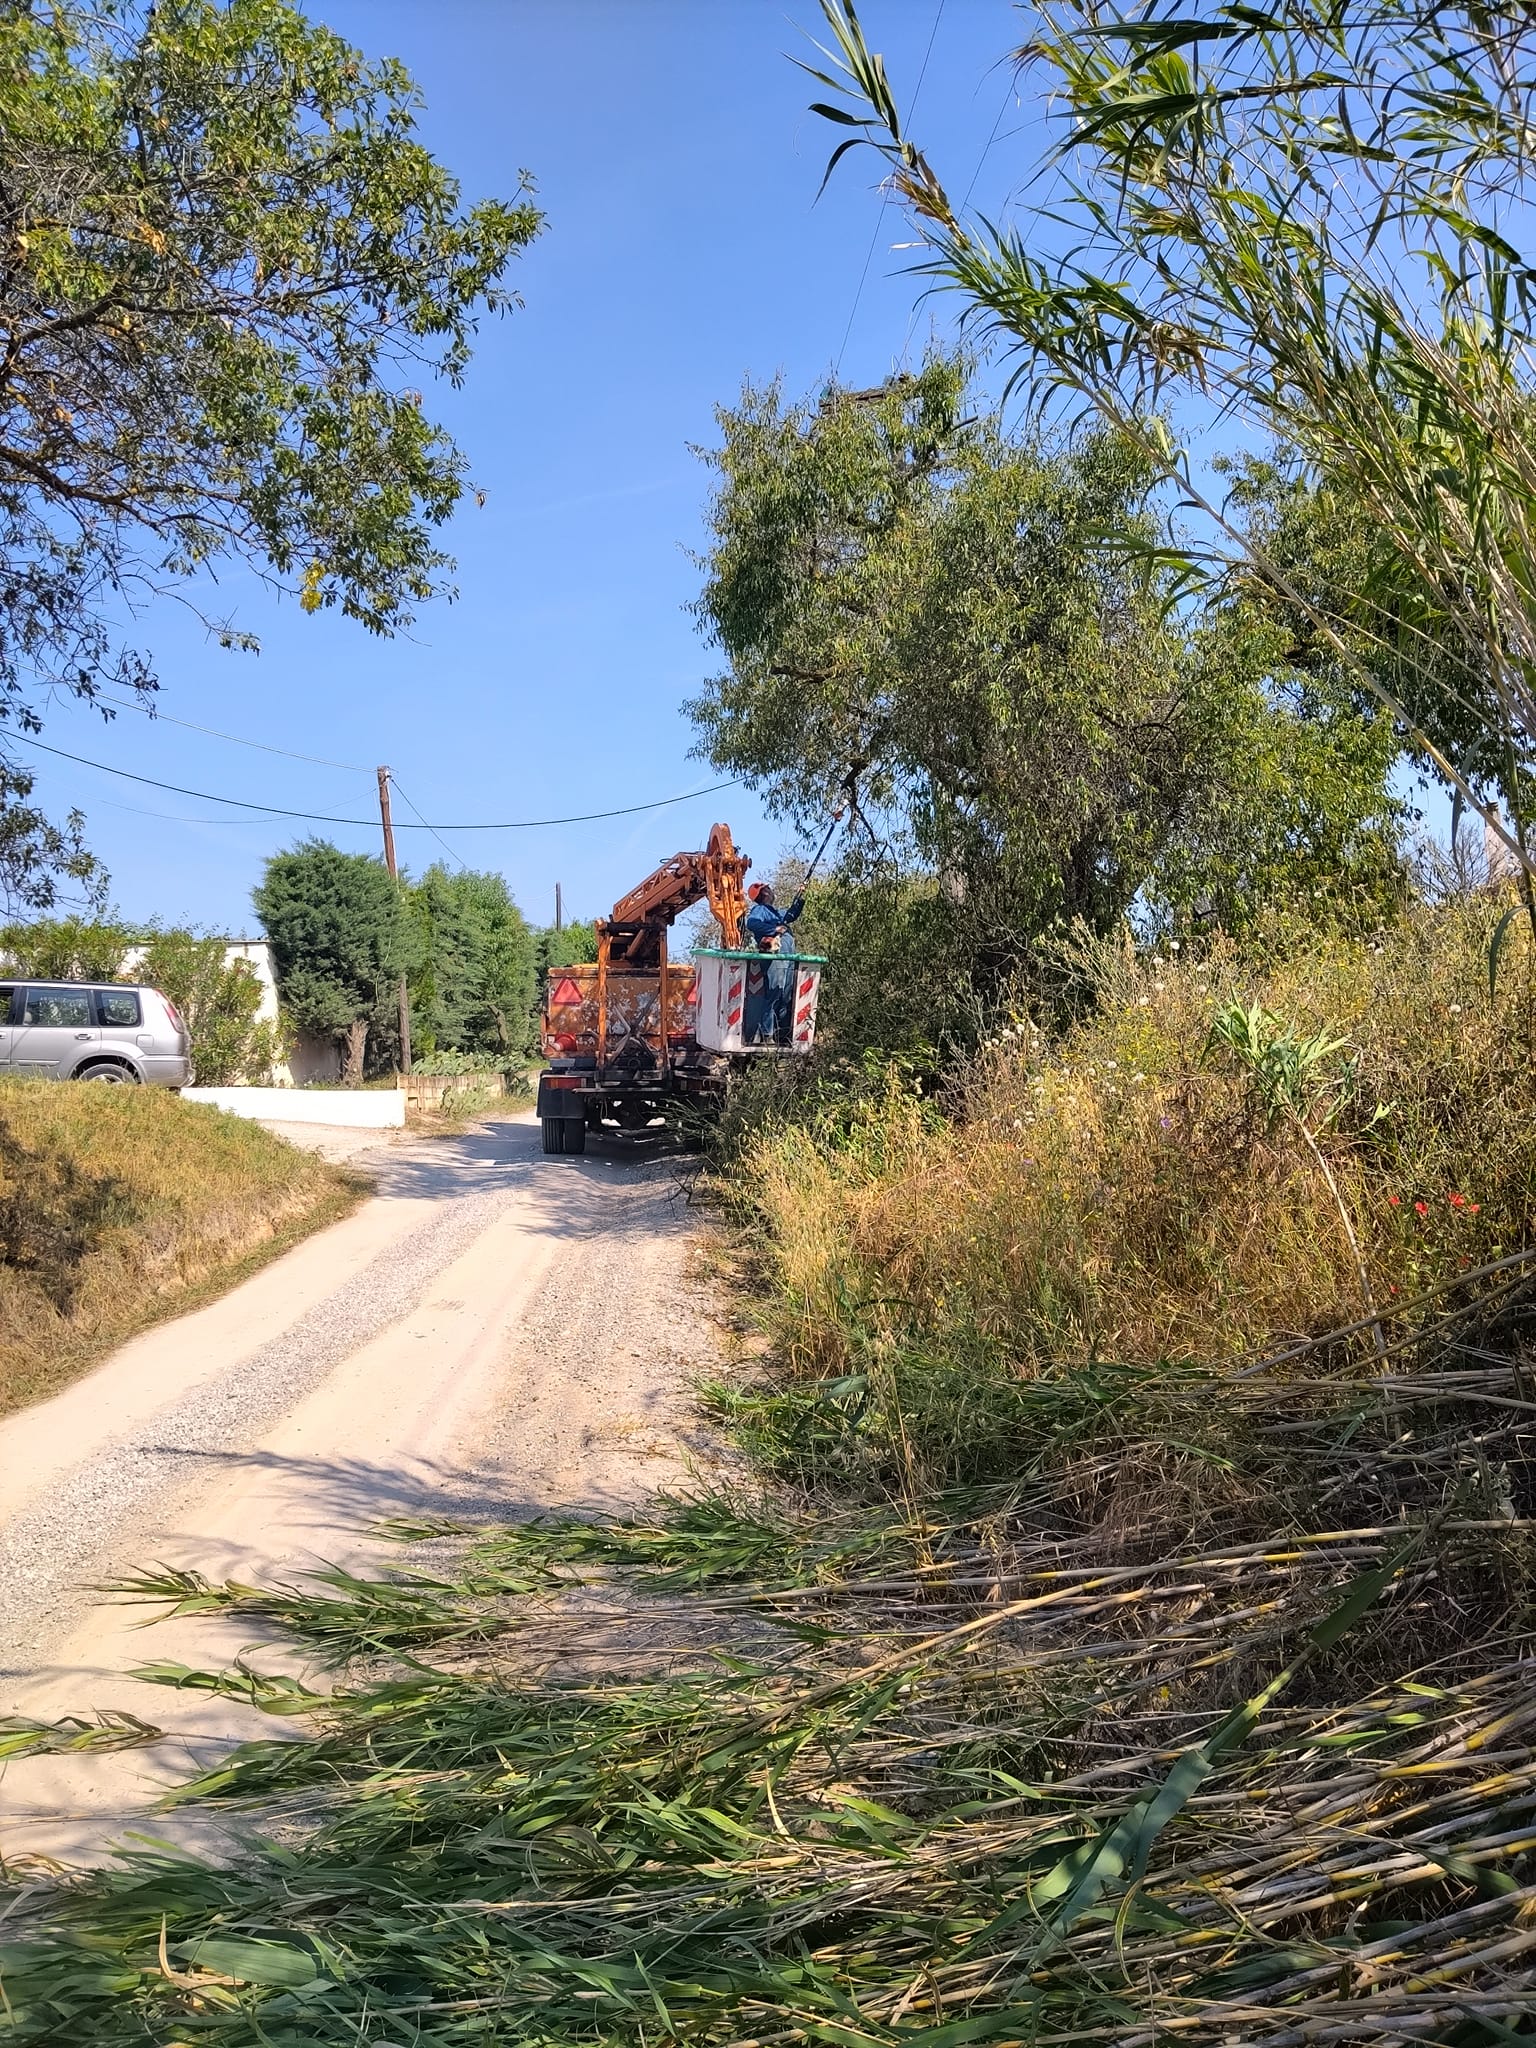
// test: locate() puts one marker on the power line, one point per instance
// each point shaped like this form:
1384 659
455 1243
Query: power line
885 196
165 817
987 151
261 746
442 842
241 803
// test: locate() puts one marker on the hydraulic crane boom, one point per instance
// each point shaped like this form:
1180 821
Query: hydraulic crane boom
635 934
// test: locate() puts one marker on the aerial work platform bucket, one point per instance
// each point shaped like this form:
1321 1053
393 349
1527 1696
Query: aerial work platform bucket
740 1007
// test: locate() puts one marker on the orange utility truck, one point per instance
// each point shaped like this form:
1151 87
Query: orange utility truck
635 1035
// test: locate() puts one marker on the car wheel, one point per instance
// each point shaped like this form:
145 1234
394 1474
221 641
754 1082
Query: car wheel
110 1073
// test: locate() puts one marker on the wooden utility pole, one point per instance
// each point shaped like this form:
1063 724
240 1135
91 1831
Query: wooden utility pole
557 907
394 876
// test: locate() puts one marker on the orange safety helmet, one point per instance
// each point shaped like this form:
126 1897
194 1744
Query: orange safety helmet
754 890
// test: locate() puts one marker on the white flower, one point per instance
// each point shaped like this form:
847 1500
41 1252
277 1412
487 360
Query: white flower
1455 1009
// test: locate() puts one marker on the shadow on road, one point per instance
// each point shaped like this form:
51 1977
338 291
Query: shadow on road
503 1154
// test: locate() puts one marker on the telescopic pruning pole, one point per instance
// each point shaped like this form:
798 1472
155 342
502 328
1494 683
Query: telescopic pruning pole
394 876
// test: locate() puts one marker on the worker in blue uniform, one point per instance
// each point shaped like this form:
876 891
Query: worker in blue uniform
768 928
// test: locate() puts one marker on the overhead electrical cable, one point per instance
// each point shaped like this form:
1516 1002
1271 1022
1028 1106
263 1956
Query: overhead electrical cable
442 842
1011 93
241 803
235 739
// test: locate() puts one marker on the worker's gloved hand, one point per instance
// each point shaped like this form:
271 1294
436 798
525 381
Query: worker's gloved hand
794 910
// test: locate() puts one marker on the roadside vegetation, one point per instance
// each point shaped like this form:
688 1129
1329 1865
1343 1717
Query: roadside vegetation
218 998
1120 1630
343 934
122 1205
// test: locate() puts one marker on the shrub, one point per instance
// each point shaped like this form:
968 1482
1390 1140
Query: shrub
1145 1188
219 1000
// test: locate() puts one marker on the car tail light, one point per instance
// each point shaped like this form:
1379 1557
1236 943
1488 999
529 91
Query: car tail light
171 1010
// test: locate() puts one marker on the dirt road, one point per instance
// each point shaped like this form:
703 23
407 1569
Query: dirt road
492 1334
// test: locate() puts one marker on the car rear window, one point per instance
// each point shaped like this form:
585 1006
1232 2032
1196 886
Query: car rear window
61 1008
117 1005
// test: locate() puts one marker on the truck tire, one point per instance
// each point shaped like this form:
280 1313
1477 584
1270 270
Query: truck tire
552 1131
575 1134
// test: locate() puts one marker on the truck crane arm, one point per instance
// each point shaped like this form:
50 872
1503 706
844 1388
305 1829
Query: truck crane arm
718 875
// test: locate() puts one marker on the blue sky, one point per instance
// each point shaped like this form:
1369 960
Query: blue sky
678 168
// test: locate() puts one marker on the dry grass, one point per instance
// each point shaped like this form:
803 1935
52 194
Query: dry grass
1127 1192
122 1205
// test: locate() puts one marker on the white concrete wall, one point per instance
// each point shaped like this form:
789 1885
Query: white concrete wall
361 1108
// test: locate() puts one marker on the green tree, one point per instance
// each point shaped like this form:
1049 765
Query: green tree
572 946
475 989
956 633
229 268
1306 220
337 929
39 858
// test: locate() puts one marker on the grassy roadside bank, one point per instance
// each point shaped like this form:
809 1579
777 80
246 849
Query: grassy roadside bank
1126 1652
119 1206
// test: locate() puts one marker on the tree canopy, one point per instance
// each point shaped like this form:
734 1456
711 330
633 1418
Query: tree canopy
954 632
338 931
229 267
474 990
1307 220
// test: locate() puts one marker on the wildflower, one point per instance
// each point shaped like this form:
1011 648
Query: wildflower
1455 1010
1457 1201
1396 1201
1473 1208
1018 1123
1138 1077
1421 1208
1391 1290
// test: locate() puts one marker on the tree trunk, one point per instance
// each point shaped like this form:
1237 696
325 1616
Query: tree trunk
356 1043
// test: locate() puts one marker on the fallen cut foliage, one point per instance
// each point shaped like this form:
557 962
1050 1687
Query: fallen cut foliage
1008 1777
121 1205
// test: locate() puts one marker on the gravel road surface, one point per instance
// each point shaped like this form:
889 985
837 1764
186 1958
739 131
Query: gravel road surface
492 1334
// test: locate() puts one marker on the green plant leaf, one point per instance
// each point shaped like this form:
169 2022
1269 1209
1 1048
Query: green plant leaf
276 1965
1496 948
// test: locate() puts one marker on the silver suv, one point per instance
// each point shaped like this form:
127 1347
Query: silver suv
89 1031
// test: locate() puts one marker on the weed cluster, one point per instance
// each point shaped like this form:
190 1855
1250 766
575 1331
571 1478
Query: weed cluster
1212 1163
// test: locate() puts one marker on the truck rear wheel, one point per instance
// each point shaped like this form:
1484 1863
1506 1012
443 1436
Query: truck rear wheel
552 1130
575 1134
